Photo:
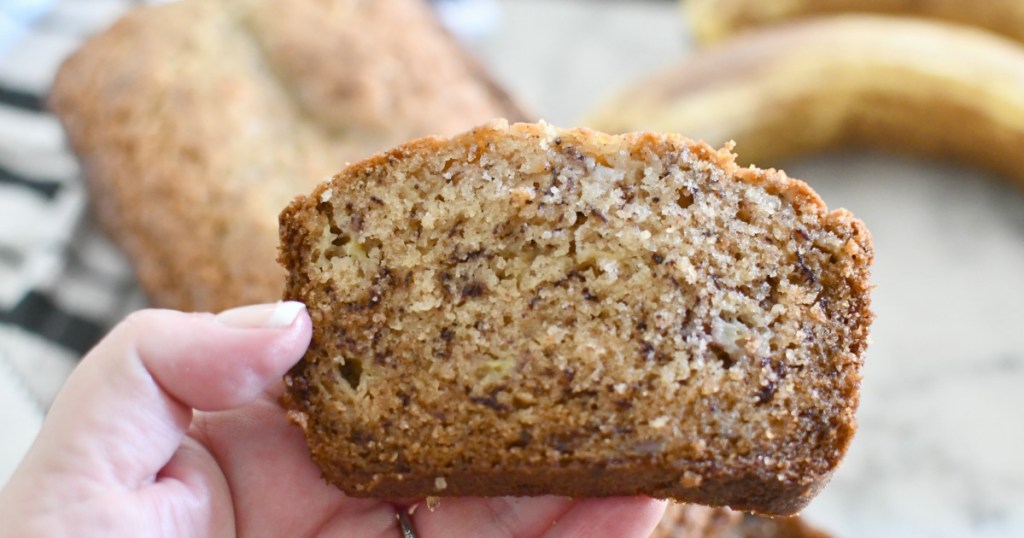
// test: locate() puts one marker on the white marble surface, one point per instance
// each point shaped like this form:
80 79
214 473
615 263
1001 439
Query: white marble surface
942 416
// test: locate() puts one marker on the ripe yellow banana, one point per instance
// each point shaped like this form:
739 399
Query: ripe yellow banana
713 20
892 83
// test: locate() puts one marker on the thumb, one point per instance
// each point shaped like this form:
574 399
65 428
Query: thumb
125 409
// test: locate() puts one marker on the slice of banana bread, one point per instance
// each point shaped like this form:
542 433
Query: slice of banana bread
522 310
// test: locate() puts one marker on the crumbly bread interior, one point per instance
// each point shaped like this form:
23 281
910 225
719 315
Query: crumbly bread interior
528 298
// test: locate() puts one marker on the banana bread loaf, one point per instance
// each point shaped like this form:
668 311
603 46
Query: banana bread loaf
197 121
522 310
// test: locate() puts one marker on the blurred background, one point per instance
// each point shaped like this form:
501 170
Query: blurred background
941 433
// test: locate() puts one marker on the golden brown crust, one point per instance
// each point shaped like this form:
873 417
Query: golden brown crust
501 313
196 121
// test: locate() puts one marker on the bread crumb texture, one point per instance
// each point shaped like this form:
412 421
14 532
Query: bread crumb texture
523 310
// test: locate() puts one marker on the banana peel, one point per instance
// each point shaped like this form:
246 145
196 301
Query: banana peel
714 20
897 84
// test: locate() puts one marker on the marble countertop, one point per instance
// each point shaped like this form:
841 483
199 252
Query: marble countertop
941 433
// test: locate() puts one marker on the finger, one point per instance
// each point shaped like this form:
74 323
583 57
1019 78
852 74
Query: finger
191 492
613 517
277 489
496 516
361 517
213 363
124 410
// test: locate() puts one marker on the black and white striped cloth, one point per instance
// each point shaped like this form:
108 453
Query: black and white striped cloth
62 283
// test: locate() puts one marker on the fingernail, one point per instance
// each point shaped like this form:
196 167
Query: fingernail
262 316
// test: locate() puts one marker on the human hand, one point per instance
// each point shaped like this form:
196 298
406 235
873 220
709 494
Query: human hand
170 427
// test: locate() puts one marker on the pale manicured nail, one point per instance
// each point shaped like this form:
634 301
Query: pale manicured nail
262 316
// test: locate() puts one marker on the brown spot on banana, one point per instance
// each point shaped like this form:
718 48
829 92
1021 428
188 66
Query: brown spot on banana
896 84
713 20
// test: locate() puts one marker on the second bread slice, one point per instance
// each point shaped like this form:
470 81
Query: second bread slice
522 310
